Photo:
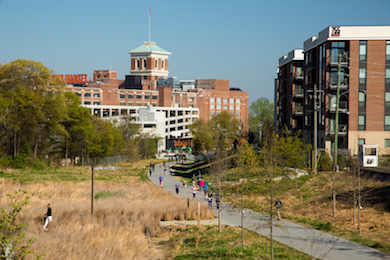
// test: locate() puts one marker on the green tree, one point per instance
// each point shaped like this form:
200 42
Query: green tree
225 129
203 140
11 232
261 112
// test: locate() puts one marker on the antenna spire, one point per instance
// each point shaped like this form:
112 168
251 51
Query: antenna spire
150 13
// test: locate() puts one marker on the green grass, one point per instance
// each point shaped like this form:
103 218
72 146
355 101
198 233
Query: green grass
106 194
208 243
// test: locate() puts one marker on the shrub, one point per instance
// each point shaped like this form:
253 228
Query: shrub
325 163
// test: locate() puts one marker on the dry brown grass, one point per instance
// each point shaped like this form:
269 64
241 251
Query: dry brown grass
115 231
375 217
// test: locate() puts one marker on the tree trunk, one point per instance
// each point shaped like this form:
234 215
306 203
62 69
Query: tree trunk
15 142
36 148
66 152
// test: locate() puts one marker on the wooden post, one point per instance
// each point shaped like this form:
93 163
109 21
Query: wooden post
198 214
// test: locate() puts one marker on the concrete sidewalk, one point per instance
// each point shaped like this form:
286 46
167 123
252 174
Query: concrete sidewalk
313 242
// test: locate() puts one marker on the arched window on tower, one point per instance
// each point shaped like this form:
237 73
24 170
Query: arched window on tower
145 64
162 64
138 64
155 64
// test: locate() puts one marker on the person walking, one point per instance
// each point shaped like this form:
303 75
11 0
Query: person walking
201 185
48 217
177 186
150 171
278 205
210 198
193 192
161 180
206 190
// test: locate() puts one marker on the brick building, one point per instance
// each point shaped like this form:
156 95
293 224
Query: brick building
150 85
364 101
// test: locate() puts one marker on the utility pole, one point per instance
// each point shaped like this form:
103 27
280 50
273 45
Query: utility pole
336 135
315 129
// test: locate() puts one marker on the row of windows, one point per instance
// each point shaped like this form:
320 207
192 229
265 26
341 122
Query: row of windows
363 50
96 103
363 141
231 107
138 104
362 123
139 97
179 121
145 63
225 100
88 94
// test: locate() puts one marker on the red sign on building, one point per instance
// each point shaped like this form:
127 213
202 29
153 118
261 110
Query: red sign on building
74 78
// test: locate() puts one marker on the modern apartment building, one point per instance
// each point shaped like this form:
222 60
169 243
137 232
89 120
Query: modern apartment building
289 92
360 57
149 85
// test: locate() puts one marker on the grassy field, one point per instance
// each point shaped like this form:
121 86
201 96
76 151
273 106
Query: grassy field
123 207
206 242
310 204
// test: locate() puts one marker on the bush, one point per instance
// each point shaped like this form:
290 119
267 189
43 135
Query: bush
36 165
325 163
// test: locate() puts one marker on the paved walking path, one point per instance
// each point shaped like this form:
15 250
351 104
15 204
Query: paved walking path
315 243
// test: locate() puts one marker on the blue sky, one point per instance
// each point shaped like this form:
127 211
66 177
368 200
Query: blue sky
236 40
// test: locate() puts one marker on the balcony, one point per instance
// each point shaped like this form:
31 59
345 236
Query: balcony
298 75
343 83
343 107
298 93
334 61
298 109
342 129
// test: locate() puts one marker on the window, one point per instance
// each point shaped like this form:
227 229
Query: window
87 102
231 107
87 94
96 95
145 77
172 122
238 114
238 101
139 96
362 75
96 103
225 107
218 106
362 122
154 97
147 97
387 75
361 141
162 64
139 104
145 63
122 103
212 113
131 96
225 100
78 93
155 64
387 99
387 50
387 142
362 99
212 100
131 103
238 107
138 64
212 106
363 50
192 99
387 123
122 95
231 101
218 100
